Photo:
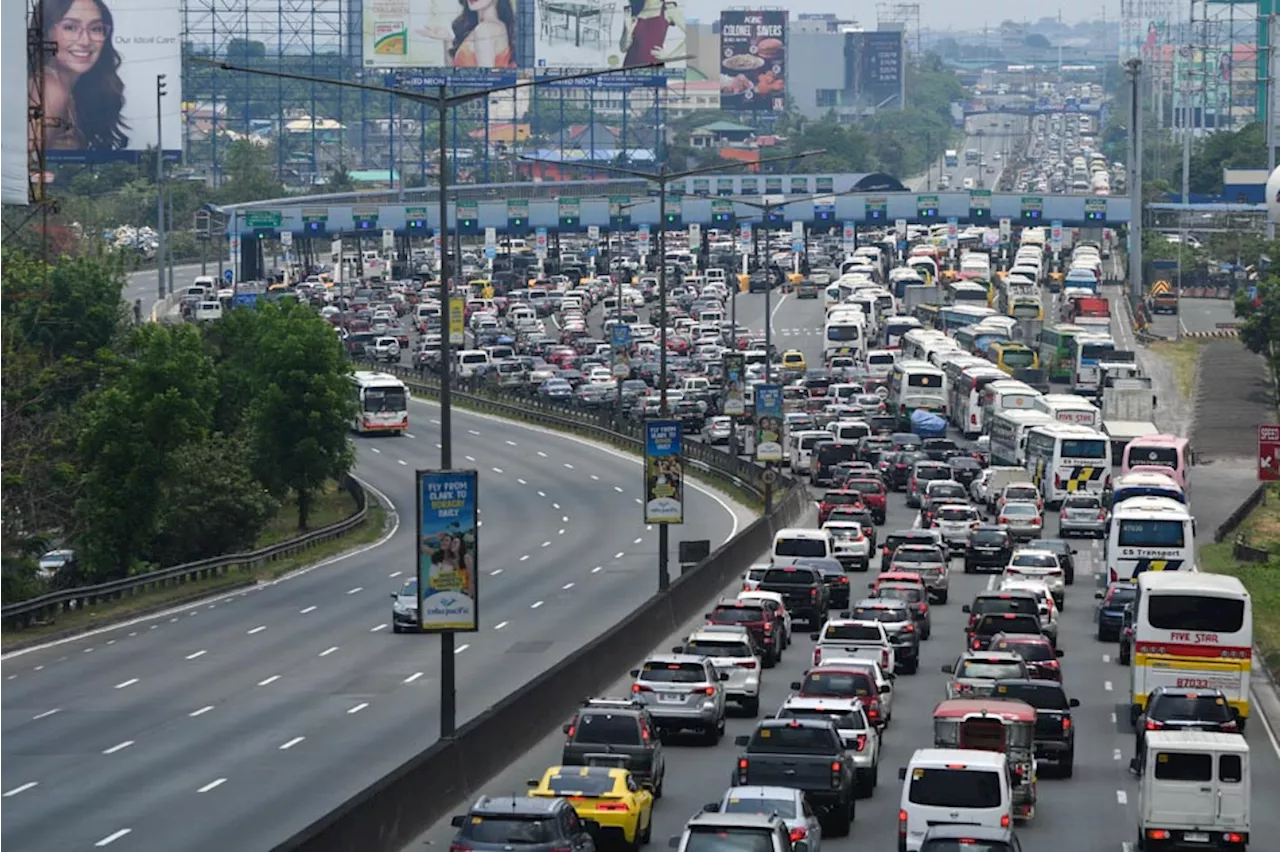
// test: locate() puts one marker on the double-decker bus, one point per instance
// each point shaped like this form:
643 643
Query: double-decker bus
1192 631
382 403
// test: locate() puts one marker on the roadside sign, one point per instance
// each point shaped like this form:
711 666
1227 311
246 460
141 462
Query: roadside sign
953 232
797 237
228 276
695 237
744 236
1055 235
1269 453
900 225
490 243
849 236
643 239
540 242
388 239
620 345
286 239
1006 229
593 233
263 220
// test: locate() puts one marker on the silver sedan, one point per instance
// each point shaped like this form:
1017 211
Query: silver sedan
789 804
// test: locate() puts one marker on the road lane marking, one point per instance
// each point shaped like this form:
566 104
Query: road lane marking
118 747
619 554
546 544
596 478
473 431
1106 658
617 488
597 569
394 574
257 629
1122 798
542 454
566 464
307 610
521 481
205 709
500 625
410 435
197 655
376 450
542 494
535 605
460 649
523 558
470 458
403 462
126 684
637 541
638 500
113 837
46 714
22 788
495 572
269 680
564 519
212 785
375 628
497 470
567 586
555 506
327 651
38 668
293 742
1107 686
1113 718
560 531
357 708
511 443
411 678
356 590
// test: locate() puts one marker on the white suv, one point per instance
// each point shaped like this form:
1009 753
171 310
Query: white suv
730 650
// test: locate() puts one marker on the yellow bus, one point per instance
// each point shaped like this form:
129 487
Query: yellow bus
1011 357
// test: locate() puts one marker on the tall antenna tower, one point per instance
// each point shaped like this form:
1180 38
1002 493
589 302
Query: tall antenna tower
904 17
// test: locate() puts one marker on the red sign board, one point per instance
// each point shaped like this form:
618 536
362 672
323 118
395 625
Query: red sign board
1269 453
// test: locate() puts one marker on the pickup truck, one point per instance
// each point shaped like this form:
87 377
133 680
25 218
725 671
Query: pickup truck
804 593
849 638
805 754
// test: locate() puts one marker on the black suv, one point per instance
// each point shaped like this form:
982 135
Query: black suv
1173 709
616 726
991 623
989 547
523 824
1055 736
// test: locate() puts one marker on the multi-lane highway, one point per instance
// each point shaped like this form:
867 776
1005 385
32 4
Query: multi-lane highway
1197 316
995 139
234 722
1094 810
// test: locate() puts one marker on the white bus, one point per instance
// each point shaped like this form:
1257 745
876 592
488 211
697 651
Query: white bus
895 327
966 397
1145 484
845 333
1069 408
382 403
1068 459
917 344
1087 351
1008 430
1192 631
916 385
1149 534
1007 394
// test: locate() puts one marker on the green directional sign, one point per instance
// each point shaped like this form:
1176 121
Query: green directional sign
1095 209
927 206
314 214
750 185
701 186
570 212
721 213
724 186
415 218
877 208
1032 207
980 204
675 211
799 186
518 212
773 186
468 213
263 220
364 218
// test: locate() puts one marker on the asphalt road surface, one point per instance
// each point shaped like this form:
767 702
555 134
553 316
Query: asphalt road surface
1094 810
992 141
1198 315
233 723
143 285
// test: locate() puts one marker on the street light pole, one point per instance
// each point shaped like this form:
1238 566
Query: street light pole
160 253
442 103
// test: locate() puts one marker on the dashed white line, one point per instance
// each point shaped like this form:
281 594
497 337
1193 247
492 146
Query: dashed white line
649 528
542 494
497 470
46 714
437 422
411 678
307 610
495 572
560 531
1107 686
566 464
500 625
327 651
524 558
212 785
458 650
357 708
470 458
596 478
619 554
1106 658
293 742
113 837
356 590
567 586
511 443
564 519
521 481
618 488
597 569
394 574
86 650
473 431
1113 718
134 633
1122 798
546 544
375 628
118 747
126 684
535 604
38 668
197 655
555 506
637 541
403 462
541 453
410 435
205 709
638 500
1115 754
22 788
258 629
269 680
376 450
113 641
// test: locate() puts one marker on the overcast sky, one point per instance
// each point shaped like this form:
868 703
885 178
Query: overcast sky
968 15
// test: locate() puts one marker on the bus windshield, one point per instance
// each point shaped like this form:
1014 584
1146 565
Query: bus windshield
1018 359
842 332
1084 448
1095 351
1154 456
924 380
1152 533
1196 613
385 399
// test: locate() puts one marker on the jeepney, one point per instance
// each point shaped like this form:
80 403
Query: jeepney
993 724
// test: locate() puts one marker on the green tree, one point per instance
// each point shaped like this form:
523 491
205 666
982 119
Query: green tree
302 405
249 171
1260 323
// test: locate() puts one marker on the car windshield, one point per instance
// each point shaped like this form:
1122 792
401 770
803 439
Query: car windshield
989 537
1019 510
955 788
851 633
838 684
1034 560
955 513
1042 697
1191 708
737 614
840 498
607 728
800 547
508 829
409 589
785 739
988 669
577 784
1119 595
883 614
997 623
966 844
726 839
1081 501
789 576
674 673
917 555
900 593
1032 652
785 808
718 648
933 472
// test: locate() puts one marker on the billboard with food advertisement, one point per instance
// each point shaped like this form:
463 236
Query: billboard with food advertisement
753 60
477 34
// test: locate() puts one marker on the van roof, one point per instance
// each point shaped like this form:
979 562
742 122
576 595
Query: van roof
800 532
1186 740
941 758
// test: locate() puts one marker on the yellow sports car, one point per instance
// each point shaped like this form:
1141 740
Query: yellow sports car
610 796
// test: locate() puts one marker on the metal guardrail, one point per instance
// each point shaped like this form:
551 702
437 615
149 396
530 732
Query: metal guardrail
1236 518
47 607
743 474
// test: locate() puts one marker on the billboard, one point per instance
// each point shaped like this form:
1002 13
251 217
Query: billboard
597 34
448 593
663 473
769 423
13 113
753 60
881 67
99 78
440 34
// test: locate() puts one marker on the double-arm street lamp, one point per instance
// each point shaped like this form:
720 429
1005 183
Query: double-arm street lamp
663 178
442 102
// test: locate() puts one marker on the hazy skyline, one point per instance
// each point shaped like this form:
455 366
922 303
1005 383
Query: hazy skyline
934 15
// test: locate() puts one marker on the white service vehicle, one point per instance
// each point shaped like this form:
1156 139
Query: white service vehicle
1195 790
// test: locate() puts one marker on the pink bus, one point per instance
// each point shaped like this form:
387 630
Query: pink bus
1167 454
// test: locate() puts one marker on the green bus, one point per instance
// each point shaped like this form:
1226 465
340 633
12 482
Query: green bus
1056 357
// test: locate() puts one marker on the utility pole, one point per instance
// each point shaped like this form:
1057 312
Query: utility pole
1270 109
160 240
1133 70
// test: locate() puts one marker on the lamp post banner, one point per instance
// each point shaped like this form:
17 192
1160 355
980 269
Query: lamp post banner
448 529
663 473
769 421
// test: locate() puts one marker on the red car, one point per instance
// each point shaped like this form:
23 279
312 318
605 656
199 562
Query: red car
832 680
1036 651
874 494
761 622
831 499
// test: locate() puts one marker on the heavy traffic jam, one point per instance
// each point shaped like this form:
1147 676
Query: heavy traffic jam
988 480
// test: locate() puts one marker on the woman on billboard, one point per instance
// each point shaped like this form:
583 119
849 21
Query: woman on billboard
83 93
644 31
482 35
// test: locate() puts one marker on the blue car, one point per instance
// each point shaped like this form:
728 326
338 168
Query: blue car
1111 606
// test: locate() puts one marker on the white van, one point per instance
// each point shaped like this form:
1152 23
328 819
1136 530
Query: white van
800 454
849 431
1194 790
472 360
796 542
949 786
208 311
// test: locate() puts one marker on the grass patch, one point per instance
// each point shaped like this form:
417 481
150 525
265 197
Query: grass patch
1262 529
331 505
103 614
1181 358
